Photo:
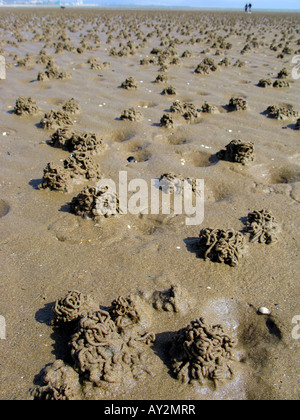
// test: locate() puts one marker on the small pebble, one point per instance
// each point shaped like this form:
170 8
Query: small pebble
264 311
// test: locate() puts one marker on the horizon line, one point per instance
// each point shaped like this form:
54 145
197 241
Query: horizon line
145 7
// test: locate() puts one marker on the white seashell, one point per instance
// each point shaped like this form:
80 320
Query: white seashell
264 311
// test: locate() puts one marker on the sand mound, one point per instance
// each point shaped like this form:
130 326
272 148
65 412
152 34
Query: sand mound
207 66
26 106
74 140
265 83
186 110
129 84
82 164
55 119
71 106
107 347
202 352
71 307
281 111
176 299
262 227
131 114
209 109
56 178
167 121
224 246
61 383
52 72
281 84
236 103
94 202
237 151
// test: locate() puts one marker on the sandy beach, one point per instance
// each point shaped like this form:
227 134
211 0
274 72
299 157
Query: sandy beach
145 306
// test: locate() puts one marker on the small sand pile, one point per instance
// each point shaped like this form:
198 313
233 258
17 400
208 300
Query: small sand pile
262 227
82 164
94 202
61 383
246 49
74 140
187 110
96 65
52 72
79 164
167 121
26 63
44 57
55 119
170 90
129 311
170 182
236 103
176 299
207 66
239 63
161 78
71 307
104 351
56 178
201 352
265 83
130 83
132 114
281 112
283 74
107 348
224 246
224 62
210 109
237 151
281 84
177 107
71 106
26 106
174 184
187 54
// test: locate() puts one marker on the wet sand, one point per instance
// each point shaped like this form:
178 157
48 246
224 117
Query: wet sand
46 251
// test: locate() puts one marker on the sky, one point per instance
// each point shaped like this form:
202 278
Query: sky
231 4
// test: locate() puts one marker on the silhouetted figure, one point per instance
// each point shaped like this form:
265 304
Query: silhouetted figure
250 7
246 8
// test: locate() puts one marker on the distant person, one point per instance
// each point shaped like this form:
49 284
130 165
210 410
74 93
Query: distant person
246 8
250 7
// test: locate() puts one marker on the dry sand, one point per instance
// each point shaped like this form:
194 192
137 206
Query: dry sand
46 251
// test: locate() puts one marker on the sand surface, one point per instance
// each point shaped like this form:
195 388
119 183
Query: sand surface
46 251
